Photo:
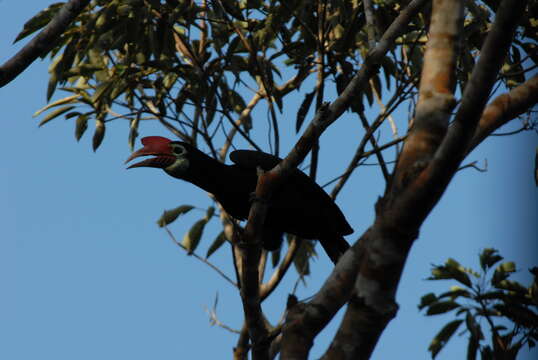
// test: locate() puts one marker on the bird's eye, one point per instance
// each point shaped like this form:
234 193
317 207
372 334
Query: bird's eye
178 150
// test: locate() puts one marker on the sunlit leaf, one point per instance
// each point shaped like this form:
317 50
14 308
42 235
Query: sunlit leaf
170 216
443 336
99 134
192 237
51 87
502 272
217 243
489 257
55 114
133 132
455 292
101 90
81 126
40 20
63 101
441 307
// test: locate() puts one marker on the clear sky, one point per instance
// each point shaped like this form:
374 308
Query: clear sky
85 273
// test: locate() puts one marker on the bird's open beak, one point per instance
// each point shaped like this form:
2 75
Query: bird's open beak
156 146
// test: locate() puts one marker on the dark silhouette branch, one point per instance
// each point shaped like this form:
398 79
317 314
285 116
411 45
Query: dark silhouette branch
383 248
277 276
412 195
42 42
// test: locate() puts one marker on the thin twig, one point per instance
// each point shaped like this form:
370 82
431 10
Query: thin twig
370 25
198 257
267 288
474 165
378 153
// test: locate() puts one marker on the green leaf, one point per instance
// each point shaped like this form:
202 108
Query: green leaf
302 257
491 295
511 286
72 114
133 132
455 292
441 307
451 270
192 237
55 114
66 100
217 243
51 87
502 272
170 216
473 327
101 90
40 20
427 300
389 69
509 266
303 110
209 213
488 258
99 134
81 126
443 336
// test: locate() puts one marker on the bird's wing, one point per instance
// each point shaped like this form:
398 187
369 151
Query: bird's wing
253 159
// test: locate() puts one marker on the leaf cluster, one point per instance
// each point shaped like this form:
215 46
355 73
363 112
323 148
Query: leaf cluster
485 299
201 69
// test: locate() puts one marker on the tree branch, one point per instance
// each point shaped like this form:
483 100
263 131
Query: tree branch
250 252
42 42
504 108
413 194
476 94
267 288
370 25
324 117
436 99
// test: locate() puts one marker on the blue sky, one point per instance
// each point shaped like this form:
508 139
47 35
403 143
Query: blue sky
85 272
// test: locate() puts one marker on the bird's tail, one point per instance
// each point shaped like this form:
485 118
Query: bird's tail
334 247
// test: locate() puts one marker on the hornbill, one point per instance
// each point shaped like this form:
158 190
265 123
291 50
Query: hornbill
298 206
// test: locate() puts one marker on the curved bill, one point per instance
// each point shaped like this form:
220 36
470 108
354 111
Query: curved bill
159 161
162 162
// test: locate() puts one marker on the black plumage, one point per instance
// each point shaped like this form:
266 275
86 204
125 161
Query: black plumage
298 206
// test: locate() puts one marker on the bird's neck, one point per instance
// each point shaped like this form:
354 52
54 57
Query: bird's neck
206 173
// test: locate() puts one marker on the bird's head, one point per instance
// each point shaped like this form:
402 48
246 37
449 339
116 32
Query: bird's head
171 156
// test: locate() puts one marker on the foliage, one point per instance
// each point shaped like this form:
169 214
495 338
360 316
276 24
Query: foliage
207 71
509 309
201 68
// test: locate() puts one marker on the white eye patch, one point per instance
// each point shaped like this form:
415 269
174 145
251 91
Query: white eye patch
178 149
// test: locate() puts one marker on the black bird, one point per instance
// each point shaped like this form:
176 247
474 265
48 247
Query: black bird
299 206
